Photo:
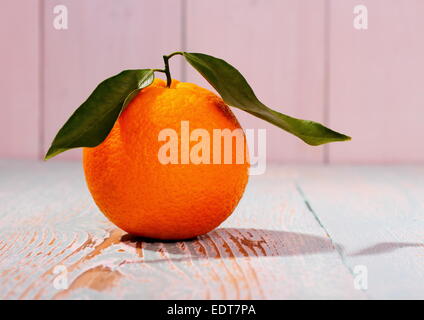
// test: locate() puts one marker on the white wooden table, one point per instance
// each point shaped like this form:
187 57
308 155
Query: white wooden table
300 232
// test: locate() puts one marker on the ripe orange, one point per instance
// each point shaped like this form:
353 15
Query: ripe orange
165 201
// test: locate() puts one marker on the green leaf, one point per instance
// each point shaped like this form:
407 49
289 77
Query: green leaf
236 92
91 123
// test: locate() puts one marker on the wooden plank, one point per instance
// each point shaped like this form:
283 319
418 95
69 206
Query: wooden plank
278 46
19 83
377 215
271 247
103 39
375 80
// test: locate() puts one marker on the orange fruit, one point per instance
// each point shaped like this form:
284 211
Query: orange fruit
145 197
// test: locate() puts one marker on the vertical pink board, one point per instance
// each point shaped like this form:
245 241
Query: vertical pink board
103 38
19 81
278 46
376 82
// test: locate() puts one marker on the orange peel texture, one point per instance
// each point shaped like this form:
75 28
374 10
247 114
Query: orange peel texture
146 198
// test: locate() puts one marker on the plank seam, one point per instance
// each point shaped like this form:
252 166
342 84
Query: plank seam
183 38
327 69
41 83
338 248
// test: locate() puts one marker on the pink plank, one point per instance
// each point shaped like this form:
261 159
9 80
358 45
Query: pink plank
278 47
104 37
19 81
377 78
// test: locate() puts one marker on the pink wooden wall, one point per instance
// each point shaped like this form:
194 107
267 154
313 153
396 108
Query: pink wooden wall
20 116
302 57
376 81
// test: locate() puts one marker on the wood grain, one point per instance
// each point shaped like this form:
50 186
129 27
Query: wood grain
270 248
